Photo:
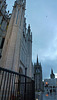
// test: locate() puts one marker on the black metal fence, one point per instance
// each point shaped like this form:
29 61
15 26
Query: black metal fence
14 86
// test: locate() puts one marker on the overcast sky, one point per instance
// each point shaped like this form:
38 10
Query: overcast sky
42 15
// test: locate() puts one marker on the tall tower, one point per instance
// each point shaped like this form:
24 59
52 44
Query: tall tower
11 50
38 75
29 37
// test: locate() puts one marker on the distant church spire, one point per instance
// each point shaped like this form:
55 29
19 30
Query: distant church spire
37 59
52 75
51 71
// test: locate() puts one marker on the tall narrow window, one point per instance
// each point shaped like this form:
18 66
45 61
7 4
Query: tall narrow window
17 17
2 43
21 18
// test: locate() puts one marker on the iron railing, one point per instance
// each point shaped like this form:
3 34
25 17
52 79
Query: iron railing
15 86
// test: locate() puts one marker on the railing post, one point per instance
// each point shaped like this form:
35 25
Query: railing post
34 76
34 86
25 84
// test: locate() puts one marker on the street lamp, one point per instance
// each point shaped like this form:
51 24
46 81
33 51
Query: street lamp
25 71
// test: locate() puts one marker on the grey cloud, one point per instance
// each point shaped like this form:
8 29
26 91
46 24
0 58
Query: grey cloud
47 65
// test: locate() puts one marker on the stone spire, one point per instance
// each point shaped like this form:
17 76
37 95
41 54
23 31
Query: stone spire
29 28
37 59
51 71
52 75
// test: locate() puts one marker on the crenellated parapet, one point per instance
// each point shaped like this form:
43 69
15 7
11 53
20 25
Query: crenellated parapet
20 3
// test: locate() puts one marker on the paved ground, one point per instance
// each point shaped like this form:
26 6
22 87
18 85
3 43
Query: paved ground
43 96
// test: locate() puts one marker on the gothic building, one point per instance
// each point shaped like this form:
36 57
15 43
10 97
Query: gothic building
17 49
52 75
4 21
38 76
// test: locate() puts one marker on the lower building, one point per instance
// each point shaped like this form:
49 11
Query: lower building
50 85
